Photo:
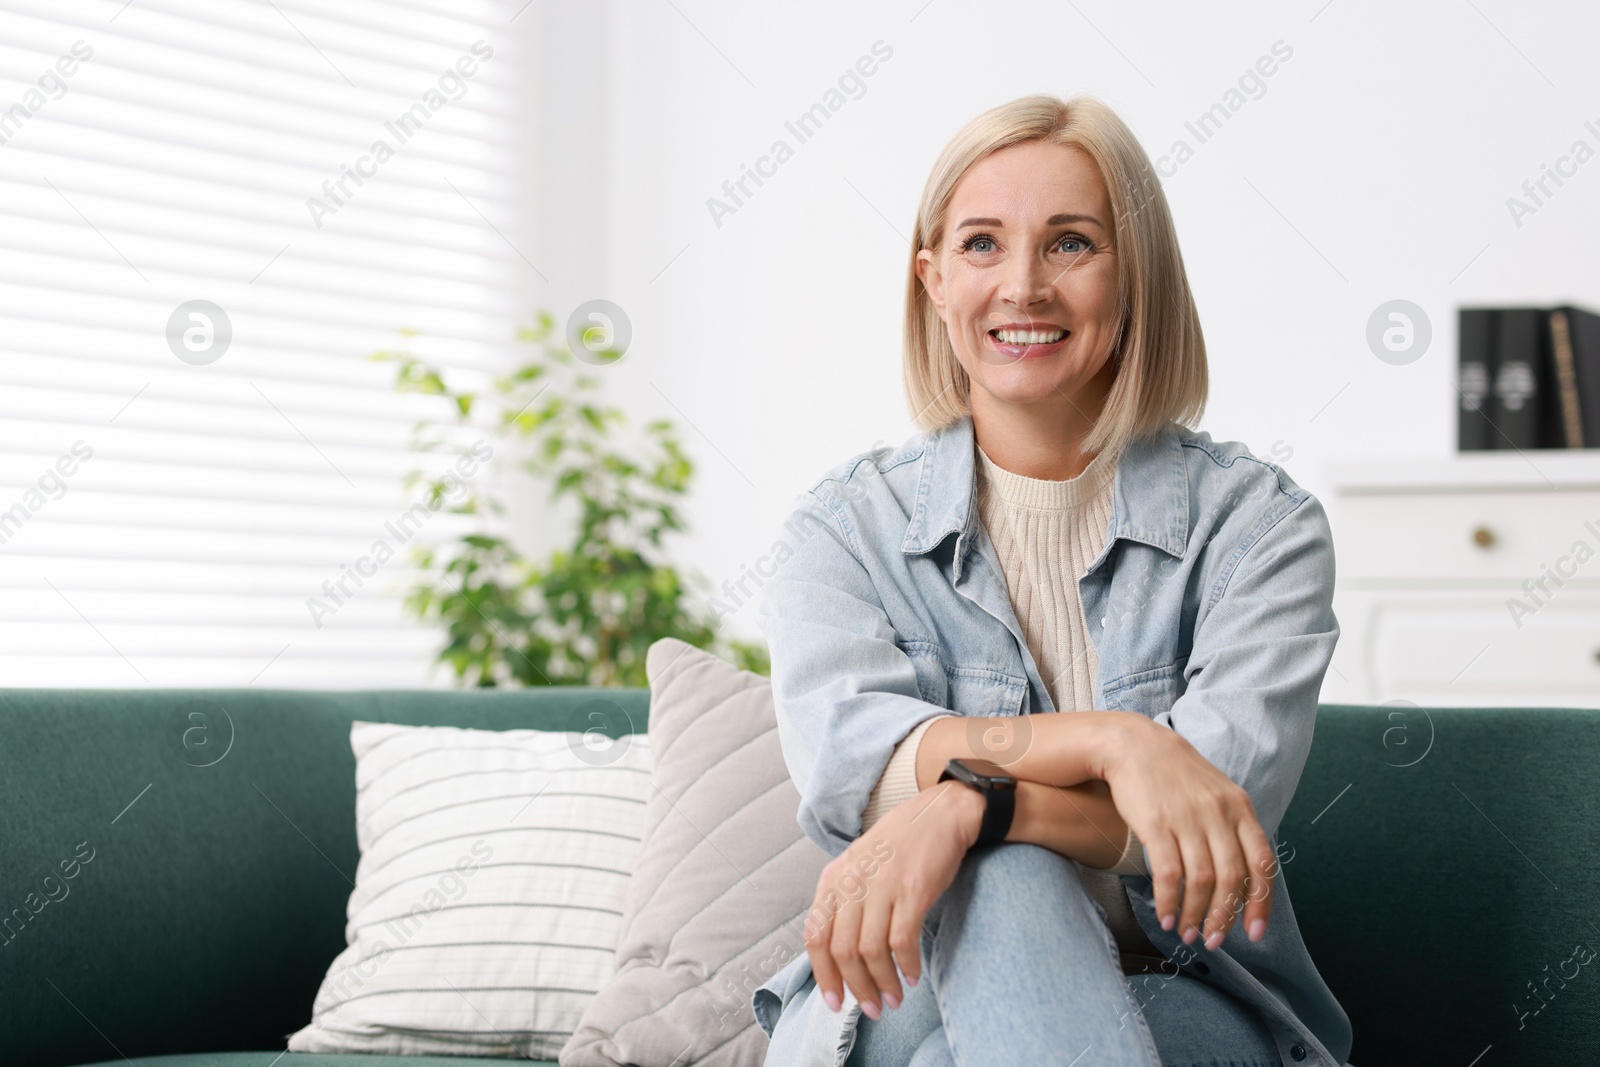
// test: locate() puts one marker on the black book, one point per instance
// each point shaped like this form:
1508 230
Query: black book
1475 338
1516 396
1573 410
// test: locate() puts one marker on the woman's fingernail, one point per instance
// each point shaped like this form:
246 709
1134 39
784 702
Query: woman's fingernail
831 998
1190 934
1213 941
872 1012
1258 929
891 1000
911 979
1167 921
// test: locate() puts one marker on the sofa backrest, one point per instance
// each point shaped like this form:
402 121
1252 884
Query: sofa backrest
1443 866
175 864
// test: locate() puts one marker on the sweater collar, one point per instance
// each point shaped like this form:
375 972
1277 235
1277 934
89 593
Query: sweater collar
1149 499
1013 490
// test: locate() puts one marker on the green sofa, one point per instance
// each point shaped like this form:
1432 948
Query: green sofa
1442 863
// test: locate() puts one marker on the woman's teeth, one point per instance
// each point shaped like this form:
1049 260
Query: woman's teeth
1029 337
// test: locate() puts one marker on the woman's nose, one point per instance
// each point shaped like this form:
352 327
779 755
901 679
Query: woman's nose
1026 281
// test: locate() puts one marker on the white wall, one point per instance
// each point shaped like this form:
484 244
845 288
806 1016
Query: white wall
1376 165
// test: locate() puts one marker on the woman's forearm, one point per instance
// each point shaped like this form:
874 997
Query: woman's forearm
1054 748
1078 821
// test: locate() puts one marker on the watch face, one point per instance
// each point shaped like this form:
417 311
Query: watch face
988 773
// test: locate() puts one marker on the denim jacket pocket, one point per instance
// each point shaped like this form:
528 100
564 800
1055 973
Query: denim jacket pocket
1151 692
983 691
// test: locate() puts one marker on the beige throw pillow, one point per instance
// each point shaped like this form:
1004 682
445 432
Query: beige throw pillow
717 901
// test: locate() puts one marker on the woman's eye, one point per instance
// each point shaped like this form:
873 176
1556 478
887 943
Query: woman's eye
1071 244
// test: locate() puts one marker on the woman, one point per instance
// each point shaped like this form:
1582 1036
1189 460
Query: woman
1128 620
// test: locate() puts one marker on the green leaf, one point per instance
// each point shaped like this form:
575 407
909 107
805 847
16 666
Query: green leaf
586 611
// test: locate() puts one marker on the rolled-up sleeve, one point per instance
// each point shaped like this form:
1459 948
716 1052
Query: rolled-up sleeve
845 692
1259 654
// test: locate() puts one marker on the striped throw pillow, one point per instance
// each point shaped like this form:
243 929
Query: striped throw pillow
493 876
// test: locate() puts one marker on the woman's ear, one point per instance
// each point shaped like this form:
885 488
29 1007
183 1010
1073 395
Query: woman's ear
931 278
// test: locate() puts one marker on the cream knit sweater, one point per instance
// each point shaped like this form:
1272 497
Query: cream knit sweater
1046 533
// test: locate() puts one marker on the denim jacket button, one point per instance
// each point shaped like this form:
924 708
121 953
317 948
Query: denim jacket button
1203 969
1298 1052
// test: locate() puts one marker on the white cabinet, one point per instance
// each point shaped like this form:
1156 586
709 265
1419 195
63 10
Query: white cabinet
1471 581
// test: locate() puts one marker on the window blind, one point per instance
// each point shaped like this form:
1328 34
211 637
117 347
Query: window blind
210 215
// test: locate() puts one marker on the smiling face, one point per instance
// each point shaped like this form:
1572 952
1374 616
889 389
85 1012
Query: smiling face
1025 279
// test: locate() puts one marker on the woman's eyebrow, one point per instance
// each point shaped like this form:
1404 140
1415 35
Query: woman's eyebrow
1061 220
1053 220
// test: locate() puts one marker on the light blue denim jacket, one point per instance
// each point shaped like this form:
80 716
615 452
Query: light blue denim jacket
1210 607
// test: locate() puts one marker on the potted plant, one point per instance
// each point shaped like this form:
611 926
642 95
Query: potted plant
587 612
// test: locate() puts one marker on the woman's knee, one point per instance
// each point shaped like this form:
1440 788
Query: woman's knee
1017 871
1011 878
1006 860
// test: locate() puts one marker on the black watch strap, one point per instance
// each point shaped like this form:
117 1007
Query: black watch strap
1000 805
998 808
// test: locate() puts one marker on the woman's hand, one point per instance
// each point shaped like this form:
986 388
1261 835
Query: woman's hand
872 897
1198 827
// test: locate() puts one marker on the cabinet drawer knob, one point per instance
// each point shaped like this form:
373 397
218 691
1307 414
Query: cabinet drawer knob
1482 536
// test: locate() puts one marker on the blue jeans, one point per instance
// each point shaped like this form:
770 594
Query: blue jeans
1019 966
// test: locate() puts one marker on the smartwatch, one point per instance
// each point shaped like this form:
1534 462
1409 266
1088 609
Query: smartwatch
999 790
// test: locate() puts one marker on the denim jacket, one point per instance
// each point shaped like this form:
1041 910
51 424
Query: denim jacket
1210 606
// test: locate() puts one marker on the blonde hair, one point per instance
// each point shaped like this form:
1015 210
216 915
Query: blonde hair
1158 349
